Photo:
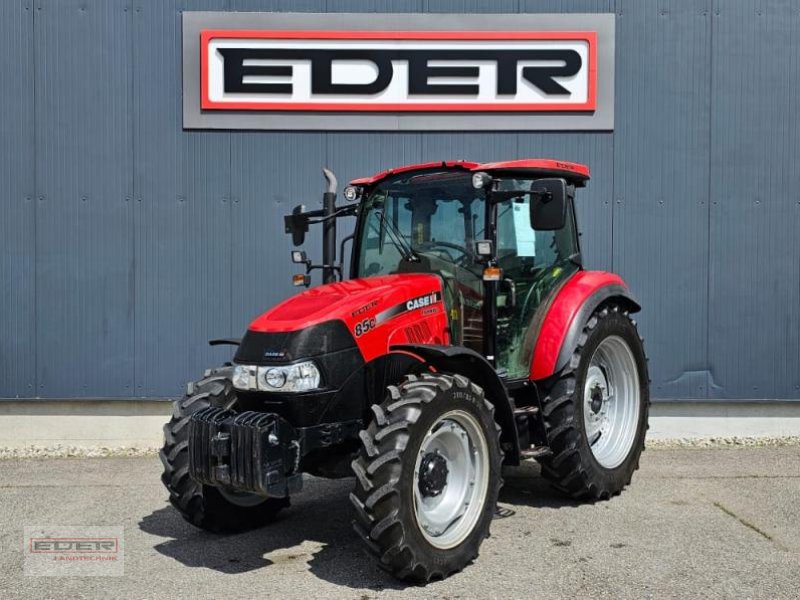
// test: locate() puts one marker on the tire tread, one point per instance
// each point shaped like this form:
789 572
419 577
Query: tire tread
376 497
564 468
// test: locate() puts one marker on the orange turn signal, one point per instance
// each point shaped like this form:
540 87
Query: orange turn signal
492 274
298 280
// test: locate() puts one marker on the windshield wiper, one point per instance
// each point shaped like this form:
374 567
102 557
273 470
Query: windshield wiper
406 251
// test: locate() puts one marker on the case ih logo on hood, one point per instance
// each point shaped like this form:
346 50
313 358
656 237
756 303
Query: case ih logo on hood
413 304
398 71
422 301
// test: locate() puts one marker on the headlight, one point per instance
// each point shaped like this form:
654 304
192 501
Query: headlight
299 377
275 378
244 377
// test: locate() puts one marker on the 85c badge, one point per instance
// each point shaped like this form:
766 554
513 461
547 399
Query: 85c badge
364 326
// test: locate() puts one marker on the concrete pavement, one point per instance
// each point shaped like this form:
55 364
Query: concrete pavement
718 523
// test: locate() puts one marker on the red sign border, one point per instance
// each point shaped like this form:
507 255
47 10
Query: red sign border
209 34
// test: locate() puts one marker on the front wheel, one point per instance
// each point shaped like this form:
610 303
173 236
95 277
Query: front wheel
596 411
428 476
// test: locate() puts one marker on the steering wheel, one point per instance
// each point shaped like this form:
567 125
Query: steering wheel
443 246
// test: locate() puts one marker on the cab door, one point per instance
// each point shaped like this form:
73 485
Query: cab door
534 264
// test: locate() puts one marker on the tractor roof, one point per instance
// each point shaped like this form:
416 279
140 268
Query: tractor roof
541 167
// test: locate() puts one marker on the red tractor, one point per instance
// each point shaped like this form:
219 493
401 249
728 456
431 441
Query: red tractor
469 336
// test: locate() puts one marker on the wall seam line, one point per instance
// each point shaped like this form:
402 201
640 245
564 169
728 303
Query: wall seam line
230 232
132 200
35 210
613 145
613 200
708 199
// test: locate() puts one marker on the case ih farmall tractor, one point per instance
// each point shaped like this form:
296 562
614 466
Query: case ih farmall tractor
468 337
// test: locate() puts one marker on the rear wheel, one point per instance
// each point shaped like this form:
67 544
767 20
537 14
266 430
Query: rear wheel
428 476
596 411
208 507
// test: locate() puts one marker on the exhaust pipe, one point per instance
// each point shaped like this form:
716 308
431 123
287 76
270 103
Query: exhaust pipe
331 179
329 228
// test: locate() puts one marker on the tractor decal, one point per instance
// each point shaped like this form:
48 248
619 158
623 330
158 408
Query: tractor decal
364 326
363 309
413 304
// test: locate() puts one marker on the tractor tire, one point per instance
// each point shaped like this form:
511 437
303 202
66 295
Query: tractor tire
428 476
596 412
204 506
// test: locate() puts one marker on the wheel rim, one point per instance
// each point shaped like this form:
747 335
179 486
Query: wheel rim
611 402
242 499
451 478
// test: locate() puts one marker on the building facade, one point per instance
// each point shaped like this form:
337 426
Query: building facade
128 241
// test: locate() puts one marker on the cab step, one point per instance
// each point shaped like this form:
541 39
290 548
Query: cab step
536 452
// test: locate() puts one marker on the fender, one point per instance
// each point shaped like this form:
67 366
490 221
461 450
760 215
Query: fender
569 312
466 362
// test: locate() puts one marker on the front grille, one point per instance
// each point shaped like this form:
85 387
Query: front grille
265 348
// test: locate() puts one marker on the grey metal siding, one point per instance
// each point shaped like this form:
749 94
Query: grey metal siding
270 173
128 242
754 277
84 184
17 203
182 255
661 183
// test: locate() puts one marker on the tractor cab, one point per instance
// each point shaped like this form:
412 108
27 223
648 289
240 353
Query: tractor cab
501 236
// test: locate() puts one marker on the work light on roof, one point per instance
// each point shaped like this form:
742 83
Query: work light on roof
481 180
352 193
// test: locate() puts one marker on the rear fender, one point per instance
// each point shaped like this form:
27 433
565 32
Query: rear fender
470 364
568 314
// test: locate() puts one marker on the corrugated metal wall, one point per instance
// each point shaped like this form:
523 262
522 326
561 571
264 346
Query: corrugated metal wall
127 243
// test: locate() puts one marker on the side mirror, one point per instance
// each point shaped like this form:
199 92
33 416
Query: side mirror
548 204
296 224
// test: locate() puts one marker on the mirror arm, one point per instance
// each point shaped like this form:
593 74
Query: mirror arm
343 211
310 267
340 267
314 217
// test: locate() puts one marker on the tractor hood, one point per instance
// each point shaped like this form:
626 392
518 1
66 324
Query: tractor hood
345 300
372 313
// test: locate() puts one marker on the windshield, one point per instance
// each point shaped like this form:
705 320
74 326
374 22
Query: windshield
425 217
429 221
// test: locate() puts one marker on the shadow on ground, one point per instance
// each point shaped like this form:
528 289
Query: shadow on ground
524 486
315 530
